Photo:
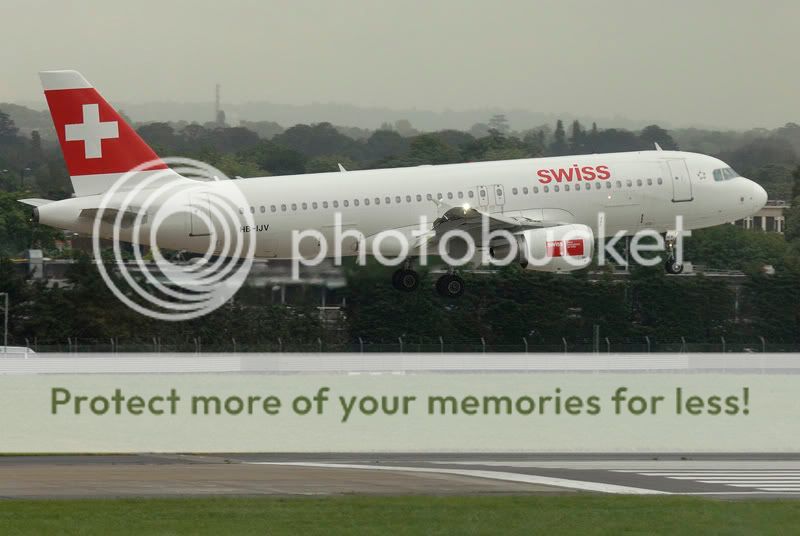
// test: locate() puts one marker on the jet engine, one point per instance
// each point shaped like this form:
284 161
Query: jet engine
562 248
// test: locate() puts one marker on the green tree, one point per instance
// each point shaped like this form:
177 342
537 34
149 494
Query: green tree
8 130
652 134
499 122
559 145
330 163
577 139
792 232
384 144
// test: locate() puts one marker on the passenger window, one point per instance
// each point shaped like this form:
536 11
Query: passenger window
619 184
388 199
597 186
241 210
429 197
346 203
377 200
629 183
366 201
577 187
419 197
324 204
638 182
514 191
536 189
449 195
314 205
397 199
546 188
283 208
470 194
608 185
263 209
294 206
335 204
439 195
461 195
660 181
525 190
499 192
273 208
305 206
408 199
649 182
555 188
355 202
252 210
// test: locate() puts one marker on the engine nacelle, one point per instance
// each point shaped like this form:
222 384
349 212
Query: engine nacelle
562 248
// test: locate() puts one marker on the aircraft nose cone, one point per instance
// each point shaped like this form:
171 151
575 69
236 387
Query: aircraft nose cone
759 197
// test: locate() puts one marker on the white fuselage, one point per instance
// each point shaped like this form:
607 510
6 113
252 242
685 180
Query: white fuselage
619 191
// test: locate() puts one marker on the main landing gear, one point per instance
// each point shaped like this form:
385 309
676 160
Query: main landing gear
450 286
407 280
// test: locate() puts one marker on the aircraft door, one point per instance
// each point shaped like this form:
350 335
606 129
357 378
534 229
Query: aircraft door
499 196
200 215
681 182
483 196
491 197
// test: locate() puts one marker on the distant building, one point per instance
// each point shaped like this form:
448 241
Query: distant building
770 219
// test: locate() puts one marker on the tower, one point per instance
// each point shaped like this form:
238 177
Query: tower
219 114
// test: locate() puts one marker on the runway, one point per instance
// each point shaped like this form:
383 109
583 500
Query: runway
721 476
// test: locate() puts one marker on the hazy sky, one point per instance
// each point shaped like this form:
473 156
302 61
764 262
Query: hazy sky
730 63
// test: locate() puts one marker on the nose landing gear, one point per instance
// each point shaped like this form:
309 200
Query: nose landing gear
672 265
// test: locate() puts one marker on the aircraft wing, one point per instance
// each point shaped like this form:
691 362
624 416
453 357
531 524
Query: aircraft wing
469 219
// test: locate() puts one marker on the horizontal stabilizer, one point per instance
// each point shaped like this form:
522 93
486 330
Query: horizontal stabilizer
35 202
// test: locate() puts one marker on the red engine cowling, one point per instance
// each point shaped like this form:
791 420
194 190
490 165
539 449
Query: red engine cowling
562 248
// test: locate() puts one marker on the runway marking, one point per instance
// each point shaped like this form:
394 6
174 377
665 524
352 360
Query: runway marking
767 480
648 466
581 485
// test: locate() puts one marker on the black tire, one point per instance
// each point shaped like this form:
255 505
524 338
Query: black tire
673 267
407 280
450 286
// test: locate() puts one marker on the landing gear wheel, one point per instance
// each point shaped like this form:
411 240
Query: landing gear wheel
672 266
405 280
450 286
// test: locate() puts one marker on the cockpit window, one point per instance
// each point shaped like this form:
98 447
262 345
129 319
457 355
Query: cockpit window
724 174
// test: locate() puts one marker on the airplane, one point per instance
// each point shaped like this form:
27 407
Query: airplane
537 201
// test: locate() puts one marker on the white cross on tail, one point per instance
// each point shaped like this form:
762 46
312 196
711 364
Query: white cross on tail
92 132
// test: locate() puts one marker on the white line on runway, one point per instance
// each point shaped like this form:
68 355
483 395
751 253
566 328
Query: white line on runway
762 480
728 477
495 475
638 466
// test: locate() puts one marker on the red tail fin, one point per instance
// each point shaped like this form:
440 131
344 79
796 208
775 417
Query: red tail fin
97 143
